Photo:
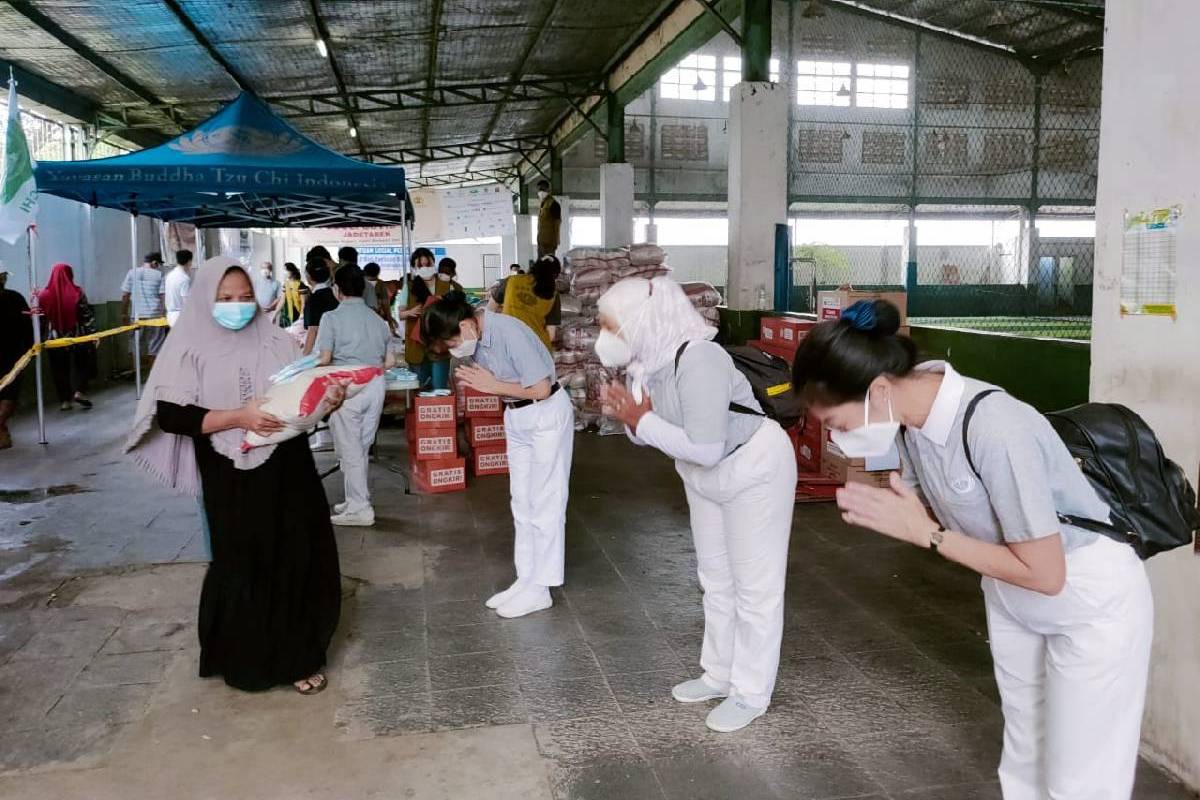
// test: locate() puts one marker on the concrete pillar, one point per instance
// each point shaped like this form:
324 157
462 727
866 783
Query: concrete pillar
526 250
1148 363
616 205
757 189
651 233
564 237
508 250
911 258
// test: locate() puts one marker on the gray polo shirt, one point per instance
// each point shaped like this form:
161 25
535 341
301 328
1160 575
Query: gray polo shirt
355 334
1028 474
697 397
512 352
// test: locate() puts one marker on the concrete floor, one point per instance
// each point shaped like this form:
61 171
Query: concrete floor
885 689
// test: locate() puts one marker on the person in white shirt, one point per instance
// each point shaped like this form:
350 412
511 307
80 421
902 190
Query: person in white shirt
177 284
267 290
142 298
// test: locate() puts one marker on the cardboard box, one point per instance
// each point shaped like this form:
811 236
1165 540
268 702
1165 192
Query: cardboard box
485 432
831 304
489 460
477 404
784 330
433 413
436 477
434 445
836 466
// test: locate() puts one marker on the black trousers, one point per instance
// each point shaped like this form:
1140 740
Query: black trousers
72 368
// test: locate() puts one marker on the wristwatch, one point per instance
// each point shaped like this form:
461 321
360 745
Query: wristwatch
935 538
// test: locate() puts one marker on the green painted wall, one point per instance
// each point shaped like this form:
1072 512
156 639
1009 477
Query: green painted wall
1048 374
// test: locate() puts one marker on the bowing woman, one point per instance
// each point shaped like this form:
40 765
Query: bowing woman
272 594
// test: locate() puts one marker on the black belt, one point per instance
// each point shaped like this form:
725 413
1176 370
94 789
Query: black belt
522 403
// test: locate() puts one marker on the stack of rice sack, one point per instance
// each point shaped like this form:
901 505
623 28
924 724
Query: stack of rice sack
705 298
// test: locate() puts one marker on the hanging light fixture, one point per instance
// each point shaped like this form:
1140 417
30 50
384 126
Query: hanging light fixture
634 127
813 9
353 132
322 48
699 85
844 91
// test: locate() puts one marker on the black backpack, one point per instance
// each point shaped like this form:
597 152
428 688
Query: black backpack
770 379
1153 506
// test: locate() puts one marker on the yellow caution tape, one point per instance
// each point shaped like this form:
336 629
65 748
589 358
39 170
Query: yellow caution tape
68 341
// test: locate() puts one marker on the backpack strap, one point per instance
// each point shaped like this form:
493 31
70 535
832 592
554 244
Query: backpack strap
736 408
966 426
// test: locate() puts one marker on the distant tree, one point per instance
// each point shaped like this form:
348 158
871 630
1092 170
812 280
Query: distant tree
831 264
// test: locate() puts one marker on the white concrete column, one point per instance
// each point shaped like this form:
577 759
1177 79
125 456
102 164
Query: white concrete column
616 205
758 168
564 235
526 249
1148 363
508 251
651 233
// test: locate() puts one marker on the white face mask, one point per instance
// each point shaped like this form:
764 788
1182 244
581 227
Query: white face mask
612 350
426 273
542 195
873 439
466 347
441 276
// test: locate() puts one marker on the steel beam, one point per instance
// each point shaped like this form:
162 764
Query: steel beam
500 175
724 23
431 66
338 79
105 66
451 152
238 78
756 41
616 132
518 72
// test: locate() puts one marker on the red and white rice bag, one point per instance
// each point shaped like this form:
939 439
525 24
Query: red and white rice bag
299 403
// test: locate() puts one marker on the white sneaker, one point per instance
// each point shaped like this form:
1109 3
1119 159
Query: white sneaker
500 598
340 508
696 691
359 519
732 715
526 601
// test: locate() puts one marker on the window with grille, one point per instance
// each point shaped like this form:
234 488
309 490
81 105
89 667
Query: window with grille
695 78
731 74
685 143
884 147
635 143
945 149
881 85
1066 150
1005 150
823 83
945 91
821 145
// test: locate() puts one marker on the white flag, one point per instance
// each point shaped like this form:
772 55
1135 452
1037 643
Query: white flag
18 193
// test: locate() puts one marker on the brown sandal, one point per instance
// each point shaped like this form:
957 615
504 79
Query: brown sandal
314 684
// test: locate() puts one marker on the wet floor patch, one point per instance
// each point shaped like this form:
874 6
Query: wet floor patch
18 496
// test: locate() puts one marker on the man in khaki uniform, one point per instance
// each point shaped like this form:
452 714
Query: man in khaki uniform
549 221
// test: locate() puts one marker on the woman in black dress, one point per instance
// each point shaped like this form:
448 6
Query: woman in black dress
272 594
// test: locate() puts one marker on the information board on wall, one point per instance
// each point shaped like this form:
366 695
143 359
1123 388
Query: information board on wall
1148 262
477 212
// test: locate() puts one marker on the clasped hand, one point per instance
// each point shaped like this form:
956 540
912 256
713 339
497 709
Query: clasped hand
618 403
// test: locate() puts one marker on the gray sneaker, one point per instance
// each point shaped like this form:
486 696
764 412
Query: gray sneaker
696 691
732 715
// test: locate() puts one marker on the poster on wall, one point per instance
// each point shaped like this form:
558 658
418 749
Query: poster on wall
477 212
1148 262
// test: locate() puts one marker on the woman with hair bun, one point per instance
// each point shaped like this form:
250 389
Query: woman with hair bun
1070 616
539 428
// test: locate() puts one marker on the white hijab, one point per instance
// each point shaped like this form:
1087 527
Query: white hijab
655 319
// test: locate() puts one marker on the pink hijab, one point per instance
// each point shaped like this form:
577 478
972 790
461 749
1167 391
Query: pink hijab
206 365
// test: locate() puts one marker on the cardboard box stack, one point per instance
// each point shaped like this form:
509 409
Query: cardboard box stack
780 336
484 422
432 430
831 304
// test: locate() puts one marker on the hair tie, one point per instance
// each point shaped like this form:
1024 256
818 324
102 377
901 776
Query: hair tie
861 316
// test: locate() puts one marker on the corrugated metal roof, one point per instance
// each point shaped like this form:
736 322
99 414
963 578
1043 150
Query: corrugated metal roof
389 44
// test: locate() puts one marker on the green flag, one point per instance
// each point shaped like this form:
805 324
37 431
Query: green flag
18 193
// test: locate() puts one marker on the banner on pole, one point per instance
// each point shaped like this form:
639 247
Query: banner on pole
18 193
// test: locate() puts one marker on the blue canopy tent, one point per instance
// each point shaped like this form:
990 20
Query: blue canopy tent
243 167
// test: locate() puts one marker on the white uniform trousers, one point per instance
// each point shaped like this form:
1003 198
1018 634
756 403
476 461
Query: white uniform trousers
540 439
353 427
1072 671
741 514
